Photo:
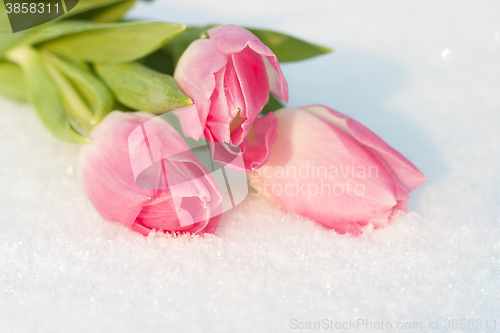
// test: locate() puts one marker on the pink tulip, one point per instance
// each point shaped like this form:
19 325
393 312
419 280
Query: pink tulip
332 169
229 77
123 184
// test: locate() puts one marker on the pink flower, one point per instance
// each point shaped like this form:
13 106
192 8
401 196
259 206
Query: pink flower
229 77
123 183
332 169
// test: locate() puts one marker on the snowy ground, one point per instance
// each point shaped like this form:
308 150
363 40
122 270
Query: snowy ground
64 269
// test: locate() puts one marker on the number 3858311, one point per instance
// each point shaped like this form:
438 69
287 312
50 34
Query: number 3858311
31 8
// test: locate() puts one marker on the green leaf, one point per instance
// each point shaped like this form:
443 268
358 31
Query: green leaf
52 31
179 44
78 111
160 61
94 92
288 48
90 5
8 39
12 81
117 106
44 95
285 47
99 10
114 42
274 104
110 13
142 88
4 22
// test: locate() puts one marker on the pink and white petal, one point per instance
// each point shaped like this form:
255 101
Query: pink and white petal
277 82
208 226
219 120
190 121
193 210
234 95
347 228
212 224
402 206
160 213
141 229
194 73
256 148
188 185
232 39
304 140
382 220
405 172
105 171
253 80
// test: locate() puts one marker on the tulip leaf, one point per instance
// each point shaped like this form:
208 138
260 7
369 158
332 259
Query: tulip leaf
94 92
179 44
285 47
77 110
94 10
53 31
8 38
44 95
117 106
12 81
160 61
288 48
142 88
114 42
110 13
84 6
274 104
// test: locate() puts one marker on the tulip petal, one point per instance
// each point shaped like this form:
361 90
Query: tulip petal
190 121
229 77
218 120
207 227
257 146
336 194
211 225
160 213
328 167
184 179
252 77
231 39
277 82
140 229
105 171
234 94
195 71
405 172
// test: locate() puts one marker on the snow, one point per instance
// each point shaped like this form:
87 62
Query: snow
424 76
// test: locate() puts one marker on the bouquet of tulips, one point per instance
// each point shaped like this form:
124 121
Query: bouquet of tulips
179 124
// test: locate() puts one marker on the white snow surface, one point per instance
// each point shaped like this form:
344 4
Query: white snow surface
423 75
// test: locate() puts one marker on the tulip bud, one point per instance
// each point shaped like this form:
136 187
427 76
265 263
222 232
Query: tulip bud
332 169
229 77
